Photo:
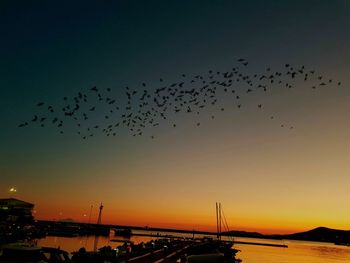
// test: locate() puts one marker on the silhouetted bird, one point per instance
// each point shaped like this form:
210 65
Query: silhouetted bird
23 124
141 111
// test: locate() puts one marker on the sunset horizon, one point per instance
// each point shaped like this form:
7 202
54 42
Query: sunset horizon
200 222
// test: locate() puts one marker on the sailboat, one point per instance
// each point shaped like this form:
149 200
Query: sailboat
215 250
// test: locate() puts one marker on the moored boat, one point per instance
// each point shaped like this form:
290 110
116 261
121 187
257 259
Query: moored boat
125 232
24 253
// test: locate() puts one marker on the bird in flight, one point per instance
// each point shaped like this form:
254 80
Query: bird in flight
104 111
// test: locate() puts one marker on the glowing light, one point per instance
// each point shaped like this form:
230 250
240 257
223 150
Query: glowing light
12 190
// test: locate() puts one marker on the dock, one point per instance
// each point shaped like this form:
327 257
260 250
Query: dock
261 244
199 239
155 232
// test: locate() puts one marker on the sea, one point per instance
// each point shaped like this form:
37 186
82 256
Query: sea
296 252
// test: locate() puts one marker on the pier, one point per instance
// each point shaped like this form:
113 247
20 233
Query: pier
180 237
157 232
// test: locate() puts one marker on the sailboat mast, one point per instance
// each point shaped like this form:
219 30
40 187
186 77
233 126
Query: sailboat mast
217 220
220 221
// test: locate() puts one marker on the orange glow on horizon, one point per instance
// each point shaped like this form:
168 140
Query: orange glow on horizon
266 226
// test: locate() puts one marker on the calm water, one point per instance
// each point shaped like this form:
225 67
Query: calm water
297 251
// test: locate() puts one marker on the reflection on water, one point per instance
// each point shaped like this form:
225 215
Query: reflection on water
297 251
72 244
330 252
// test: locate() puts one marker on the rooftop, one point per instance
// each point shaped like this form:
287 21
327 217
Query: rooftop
14 201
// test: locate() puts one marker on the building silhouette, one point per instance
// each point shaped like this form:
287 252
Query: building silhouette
16 211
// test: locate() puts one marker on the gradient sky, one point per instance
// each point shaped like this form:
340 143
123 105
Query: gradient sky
268 179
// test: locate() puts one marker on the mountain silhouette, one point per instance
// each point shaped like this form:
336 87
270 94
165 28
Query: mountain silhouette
319 234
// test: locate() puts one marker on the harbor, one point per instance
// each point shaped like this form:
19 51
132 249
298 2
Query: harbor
81 242
21 234
156 249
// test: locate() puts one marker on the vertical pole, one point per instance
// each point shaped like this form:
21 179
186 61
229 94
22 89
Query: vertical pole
220 221
99 219
217 220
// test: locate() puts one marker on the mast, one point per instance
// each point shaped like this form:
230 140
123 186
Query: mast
100 215
220 221
98 223
217 220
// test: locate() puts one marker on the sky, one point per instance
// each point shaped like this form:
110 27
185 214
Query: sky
268 178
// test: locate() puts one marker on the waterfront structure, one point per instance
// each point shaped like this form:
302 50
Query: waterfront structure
15 210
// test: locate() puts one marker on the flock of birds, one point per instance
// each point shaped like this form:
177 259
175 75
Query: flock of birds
96 110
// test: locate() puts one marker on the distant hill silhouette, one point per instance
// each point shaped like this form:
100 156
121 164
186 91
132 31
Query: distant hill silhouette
321 234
